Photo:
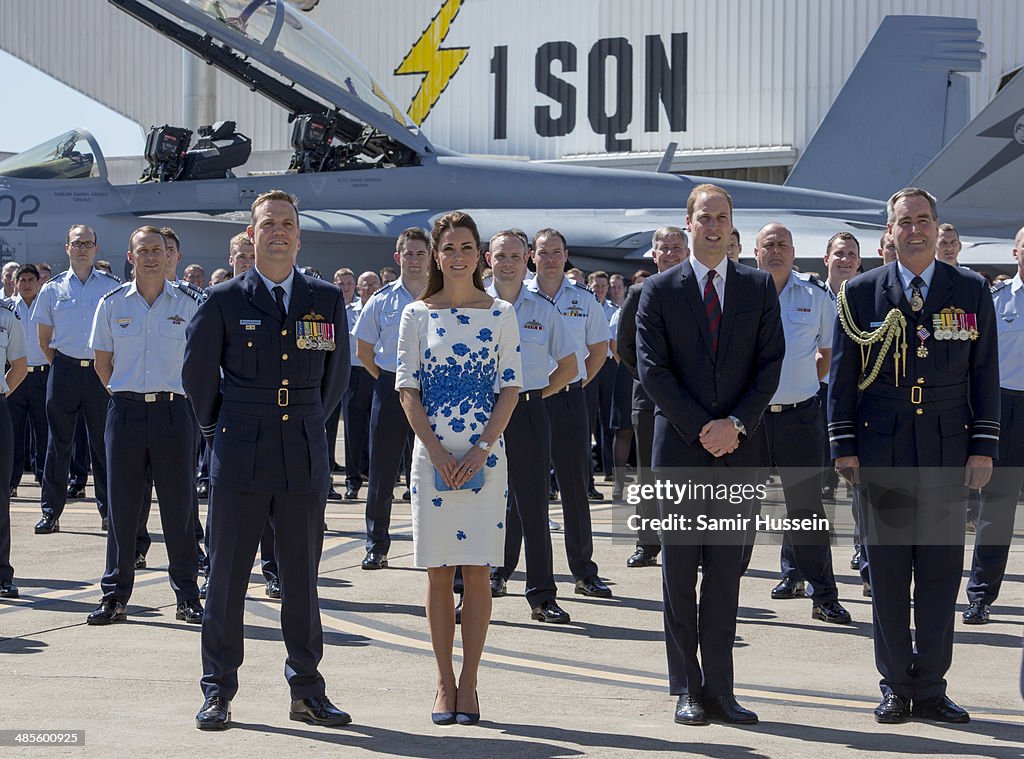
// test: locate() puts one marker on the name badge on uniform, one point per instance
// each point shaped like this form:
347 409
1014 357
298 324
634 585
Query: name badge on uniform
250 324
123 323
314 333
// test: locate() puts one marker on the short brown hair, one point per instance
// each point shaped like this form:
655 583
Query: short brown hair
73 227
169 234
549 232
844 235
269 195
595 275
146 230
240 239
343 271
706 189
515 234
412 233
947 227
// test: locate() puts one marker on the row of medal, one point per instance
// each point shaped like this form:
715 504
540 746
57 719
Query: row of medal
314 335
948 326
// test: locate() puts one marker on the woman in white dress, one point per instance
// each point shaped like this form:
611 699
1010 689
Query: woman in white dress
457 347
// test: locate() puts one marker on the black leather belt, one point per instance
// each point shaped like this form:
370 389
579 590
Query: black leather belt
530 395
280 396
778 408
76 361
164 397
41 368
1012 393
917 394
572 386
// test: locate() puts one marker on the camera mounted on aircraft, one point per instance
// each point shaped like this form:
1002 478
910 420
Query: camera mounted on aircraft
218 150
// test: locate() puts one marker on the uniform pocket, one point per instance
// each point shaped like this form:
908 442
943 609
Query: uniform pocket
234 446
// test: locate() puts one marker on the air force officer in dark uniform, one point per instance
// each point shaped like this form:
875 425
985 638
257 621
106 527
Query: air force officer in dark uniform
281 340
709 352
914 416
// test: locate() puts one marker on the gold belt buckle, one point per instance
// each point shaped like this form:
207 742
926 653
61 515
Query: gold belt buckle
150 397
916 395
775 408
282 396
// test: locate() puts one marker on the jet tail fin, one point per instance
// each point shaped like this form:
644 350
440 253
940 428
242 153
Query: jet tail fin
976 177
870 146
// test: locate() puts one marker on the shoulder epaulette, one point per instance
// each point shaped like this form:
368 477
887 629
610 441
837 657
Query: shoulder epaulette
583 287
116 289
9 305
815 280
111 276
190 290
1000 285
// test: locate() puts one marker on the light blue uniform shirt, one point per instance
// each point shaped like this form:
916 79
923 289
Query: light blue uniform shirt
1008 299
583 316
610 309
32 350
68 306
287 285
906 275
379 321
808 318
12 341
543 338
352 312
148 342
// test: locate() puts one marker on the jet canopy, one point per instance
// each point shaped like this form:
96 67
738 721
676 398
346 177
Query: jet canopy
72 155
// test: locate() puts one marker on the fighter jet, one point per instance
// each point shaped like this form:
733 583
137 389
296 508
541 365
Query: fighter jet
363 171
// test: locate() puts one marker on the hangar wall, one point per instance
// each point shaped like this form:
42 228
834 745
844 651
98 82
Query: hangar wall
758 76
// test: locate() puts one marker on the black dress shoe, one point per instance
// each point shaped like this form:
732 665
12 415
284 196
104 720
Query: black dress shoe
190 612
498 589
641 558
831 611
351 495
458 612
552 495
690 711
204 587
893 710
406 496
789 588
203 490
855 560
318 711
273 589
215 714
76 491
375 560
976 614
46 525
828 493
333 495
550 612
140 561
8 590
108 611
14 492
593 586
594 494
104 524
939 709
726 709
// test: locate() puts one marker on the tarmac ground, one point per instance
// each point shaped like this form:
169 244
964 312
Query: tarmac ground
595 687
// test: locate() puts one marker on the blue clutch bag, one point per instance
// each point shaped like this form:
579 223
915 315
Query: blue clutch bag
473 483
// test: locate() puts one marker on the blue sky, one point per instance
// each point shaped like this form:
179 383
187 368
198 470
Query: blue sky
39 107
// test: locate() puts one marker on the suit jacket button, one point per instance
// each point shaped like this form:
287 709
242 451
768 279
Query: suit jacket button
284 356
714 404
284 417
284 382
250 343
284 332
920 411
223 429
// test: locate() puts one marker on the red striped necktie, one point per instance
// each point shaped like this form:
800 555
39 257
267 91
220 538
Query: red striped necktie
713 309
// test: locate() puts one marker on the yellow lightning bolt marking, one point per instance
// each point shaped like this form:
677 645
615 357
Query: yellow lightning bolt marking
437 64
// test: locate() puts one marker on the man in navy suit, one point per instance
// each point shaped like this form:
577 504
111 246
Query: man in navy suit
914 417
281 341
709 353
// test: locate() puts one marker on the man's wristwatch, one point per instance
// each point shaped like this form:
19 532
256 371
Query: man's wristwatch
483 445
738 425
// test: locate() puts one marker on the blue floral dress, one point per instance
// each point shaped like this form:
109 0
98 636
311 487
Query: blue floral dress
458 358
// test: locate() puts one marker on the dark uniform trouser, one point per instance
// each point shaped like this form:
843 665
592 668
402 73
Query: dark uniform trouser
356 404
144 436
389 431
999 504
643 429
528 447
794 442
570 454
71 387
27 405
78 469
598 393
237 520
6 459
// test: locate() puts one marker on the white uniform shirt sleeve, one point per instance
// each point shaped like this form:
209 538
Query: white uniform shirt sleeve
101 339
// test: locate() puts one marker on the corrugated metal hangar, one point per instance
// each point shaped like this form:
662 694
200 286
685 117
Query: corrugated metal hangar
741 86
